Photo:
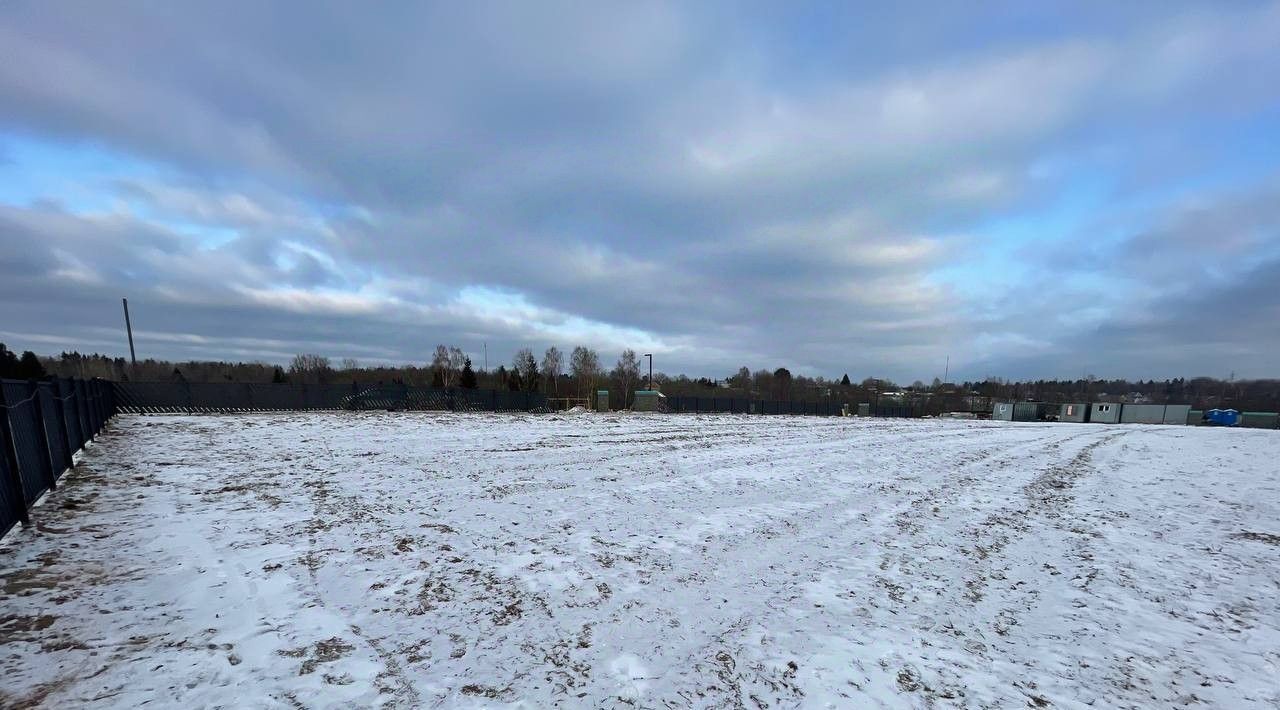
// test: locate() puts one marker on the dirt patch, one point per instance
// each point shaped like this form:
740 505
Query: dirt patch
237 488
325 651
507 614
1267 538
16 627
484 691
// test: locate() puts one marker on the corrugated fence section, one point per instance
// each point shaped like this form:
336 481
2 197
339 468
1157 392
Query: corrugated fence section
226 397
739 405
43 424
219 397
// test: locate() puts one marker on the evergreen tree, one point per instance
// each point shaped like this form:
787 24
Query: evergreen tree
844 381
529 372
9 366
437 378
782 380
468 379
526 366
29 367
277 377
513 381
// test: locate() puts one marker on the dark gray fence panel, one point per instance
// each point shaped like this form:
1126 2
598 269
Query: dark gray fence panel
273 396
96 415
55 436
182 397
70 414
41 426
82 414
13 507
739 405
33 461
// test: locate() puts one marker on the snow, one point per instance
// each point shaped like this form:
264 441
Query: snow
401 559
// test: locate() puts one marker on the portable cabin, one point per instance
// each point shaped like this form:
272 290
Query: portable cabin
1104 413
1022 411
1073 412
864 409
602 400
649 401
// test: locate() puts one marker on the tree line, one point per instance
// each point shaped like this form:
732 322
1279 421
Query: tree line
1261 395
581 372
20 367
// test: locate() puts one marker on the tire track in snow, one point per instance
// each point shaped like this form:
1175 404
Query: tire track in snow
322 518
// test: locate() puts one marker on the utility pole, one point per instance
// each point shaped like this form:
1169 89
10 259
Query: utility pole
486 356
650 356
946 373
129 329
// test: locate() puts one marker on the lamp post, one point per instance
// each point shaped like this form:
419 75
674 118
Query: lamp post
650 356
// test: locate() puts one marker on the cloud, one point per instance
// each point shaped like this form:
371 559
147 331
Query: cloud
685 177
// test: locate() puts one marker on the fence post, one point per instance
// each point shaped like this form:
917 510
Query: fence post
13 477
42 434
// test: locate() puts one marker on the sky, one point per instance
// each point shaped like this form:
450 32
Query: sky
1022 190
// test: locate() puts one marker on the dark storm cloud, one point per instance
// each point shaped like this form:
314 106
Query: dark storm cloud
372 181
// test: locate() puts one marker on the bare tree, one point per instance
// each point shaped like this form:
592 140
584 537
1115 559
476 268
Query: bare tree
310 368
627 372
552 366
457 360
526 365
348 364
584 365
443 365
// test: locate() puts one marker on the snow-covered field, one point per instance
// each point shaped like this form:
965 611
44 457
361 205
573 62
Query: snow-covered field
338 560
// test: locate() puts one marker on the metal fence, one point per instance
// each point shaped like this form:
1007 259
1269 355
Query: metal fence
43 423
219 397
223 397
742 405
882 407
